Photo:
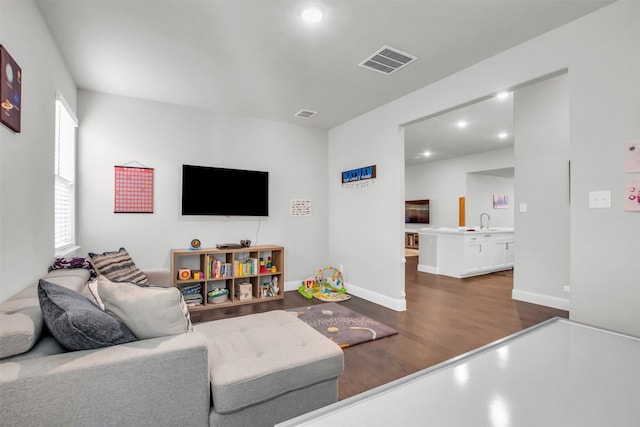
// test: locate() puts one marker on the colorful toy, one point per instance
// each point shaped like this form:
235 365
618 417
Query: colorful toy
326 285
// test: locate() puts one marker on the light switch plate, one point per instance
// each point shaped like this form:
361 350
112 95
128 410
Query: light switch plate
523 207
600 199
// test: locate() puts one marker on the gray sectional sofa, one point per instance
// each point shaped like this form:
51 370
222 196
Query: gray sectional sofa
251 370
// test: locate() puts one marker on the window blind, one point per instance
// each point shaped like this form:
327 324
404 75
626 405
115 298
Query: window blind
64 169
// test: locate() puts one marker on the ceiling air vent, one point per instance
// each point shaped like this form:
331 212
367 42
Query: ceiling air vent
305 114
388 60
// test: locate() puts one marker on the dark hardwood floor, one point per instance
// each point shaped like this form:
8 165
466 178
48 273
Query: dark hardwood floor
445 317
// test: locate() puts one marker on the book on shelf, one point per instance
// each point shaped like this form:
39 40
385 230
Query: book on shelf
218 269
192 294
247 267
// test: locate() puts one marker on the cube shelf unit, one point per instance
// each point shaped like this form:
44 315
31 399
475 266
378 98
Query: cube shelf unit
202 261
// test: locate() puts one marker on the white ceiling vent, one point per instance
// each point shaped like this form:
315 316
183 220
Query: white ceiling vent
388 60
305 114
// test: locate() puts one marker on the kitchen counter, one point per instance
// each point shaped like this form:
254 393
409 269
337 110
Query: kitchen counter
463 230
465 252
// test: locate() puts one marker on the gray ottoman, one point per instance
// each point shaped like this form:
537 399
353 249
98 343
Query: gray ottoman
268 367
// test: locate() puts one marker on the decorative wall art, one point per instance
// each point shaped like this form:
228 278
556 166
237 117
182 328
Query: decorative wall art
416 211
10 91
133 190
358 178
632 159
500 201
300 207
631 194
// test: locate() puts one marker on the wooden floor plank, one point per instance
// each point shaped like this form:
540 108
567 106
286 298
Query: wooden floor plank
445 317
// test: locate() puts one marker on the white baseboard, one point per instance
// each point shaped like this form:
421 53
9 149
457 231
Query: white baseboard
541 299
292 286
427 269
397 304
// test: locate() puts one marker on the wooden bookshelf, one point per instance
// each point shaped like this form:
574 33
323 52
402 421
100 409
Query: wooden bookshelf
229 269
411 240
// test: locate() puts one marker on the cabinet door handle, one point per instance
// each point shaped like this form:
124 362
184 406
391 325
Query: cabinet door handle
507 246
479 248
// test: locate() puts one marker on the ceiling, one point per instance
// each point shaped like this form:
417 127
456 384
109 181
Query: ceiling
258 58
442 138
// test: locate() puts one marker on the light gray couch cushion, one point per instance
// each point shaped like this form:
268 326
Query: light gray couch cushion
149 311
47 345
74 279
255 358
19 330
21 319
158 382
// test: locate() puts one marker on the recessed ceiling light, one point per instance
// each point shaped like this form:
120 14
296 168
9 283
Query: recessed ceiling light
503 135
312 14
462 124
426 154
502 95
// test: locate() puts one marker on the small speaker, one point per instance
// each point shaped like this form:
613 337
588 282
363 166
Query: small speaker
228 246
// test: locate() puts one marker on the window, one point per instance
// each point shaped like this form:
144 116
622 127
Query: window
65 176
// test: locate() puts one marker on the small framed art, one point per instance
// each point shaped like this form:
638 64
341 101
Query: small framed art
500 201
10 91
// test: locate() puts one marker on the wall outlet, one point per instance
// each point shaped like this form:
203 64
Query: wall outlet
600 199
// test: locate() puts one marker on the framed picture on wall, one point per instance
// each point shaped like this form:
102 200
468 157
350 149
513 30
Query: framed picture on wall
10 91
500 201
133 190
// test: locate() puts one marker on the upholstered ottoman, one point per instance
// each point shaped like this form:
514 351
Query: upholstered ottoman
268 367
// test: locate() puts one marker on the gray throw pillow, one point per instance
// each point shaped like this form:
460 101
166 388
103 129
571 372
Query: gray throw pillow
77 323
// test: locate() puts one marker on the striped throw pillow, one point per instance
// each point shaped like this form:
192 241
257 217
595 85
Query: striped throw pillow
117 266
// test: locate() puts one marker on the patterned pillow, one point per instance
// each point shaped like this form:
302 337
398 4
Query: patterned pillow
74 262
77 323
117 266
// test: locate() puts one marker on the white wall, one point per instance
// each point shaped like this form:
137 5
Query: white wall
366 229
541 128
444 182
26 158
604 92
600 52
116 130
480 191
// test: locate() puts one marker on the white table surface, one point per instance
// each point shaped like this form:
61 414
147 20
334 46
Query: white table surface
558 373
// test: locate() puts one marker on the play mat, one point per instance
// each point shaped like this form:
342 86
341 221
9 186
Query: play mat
326 285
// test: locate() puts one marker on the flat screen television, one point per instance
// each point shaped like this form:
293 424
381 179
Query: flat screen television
226 192
416 211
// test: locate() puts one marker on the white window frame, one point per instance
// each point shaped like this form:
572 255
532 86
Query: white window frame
66 124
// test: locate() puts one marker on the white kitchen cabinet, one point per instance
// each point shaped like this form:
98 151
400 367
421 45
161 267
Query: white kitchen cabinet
464 253
477 254
503 253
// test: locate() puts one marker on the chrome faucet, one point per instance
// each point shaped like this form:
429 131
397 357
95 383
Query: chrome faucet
488 220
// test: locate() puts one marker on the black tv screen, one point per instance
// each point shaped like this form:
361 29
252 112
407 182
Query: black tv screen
227 192
416 212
